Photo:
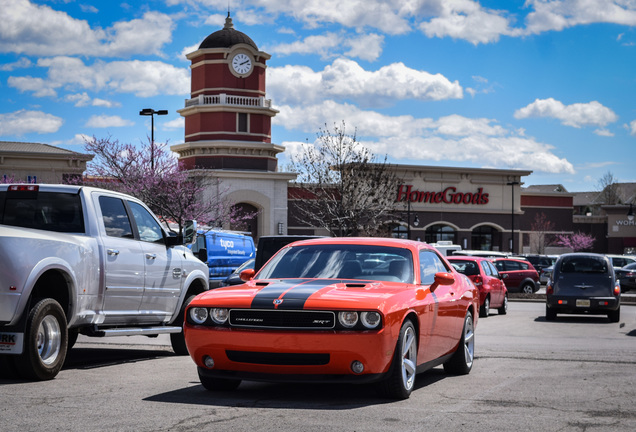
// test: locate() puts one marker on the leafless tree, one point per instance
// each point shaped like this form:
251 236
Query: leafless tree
608 187
540 238
344 189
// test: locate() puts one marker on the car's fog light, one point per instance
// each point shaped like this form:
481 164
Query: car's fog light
208 362
357 367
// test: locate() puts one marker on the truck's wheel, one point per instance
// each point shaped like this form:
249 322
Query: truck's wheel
177 340
45 344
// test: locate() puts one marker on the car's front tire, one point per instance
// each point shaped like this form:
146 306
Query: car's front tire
46 342
218 384
401 379
462 361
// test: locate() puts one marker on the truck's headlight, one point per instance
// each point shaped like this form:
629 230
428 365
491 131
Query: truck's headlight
198 315
370 320
219 315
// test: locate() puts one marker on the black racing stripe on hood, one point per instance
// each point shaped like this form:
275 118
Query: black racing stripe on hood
297 291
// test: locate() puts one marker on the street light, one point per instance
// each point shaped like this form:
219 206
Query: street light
150 112
416 222
630 213
512 215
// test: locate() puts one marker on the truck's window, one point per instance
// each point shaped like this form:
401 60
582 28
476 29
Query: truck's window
149 229
51 211
115 217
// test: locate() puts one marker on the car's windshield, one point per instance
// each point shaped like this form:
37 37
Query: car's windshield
583 264
341 261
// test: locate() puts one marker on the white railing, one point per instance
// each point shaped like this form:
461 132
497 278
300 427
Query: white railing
224 99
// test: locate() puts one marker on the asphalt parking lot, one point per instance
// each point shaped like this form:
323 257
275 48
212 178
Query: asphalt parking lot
573 374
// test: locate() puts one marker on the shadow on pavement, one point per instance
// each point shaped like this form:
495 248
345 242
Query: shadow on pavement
285 395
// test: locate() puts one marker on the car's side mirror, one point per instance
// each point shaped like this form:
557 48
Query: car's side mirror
247 275
442 278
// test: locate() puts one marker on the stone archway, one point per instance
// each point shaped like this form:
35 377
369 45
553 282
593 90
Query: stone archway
247 224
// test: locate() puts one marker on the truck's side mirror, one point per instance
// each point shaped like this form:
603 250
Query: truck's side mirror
202 254
190 232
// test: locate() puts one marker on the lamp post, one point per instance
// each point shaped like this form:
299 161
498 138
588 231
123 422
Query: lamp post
150 112
512 185
630 213
416 222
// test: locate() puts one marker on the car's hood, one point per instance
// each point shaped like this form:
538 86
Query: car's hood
305 294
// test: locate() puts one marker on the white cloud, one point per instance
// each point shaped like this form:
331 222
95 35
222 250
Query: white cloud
632 128
346 79
40 30
465 19
178 123
88 8
22 63
604 132
366 47
23 122
141 78
104 121
575 115
561 14
453 138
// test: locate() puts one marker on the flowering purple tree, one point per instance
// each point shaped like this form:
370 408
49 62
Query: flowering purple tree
577 241
155 176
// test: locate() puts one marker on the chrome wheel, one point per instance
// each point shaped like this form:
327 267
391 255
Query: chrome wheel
49 339
409 358
527 289
469 341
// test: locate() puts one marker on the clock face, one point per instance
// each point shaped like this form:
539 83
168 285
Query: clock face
242 64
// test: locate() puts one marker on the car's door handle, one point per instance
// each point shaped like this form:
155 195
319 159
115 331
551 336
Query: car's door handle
112 252
151 256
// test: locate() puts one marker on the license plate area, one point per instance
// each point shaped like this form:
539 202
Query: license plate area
582 303
11 343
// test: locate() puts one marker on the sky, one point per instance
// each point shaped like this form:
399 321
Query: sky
542 85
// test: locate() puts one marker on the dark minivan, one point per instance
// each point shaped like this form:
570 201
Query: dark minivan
583 283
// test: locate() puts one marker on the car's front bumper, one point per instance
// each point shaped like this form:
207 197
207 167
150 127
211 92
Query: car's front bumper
290 355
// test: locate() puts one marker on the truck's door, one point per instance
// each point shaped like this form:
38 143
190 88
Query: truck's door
163 277
123 263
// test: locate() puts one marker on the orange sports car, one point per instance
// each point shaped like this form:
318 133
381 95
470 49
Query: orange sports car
337 309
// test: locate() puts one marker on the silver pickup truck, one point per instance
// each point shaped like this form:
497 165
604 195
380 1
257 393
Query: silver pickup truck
85 260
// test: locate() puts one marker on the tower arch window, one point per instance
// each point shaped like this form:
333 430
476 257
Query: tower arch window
440 232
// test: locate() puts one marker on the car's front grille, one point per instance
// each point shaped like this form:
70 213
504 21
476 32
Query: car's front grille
285 359
282 319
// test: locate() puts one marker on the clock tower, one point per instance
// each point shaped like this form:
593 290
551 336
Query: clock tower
228 127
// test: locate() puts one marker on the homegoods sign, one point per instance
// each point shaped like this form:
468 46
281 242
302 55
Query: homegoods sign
446 196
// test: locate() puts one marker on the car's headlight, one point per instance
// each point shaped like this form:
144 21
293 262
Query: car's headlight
348 319
370 320
219 315
198 315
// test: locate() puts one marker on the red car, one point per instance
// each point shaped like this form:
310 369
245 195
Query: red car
518 275
492 291
353 310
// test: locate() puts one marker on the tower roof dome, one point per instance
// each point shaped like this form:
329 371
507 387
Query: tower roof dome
227 37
